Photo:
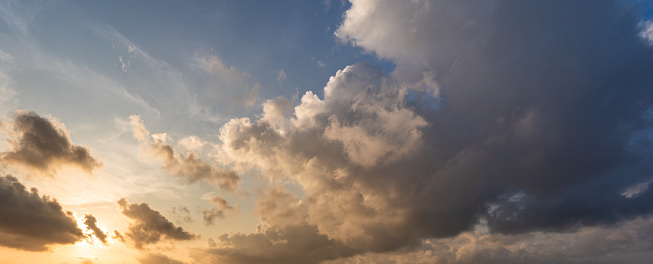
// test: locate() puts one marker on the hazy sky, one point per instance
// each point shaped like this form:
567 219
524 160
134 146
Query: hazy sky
338 132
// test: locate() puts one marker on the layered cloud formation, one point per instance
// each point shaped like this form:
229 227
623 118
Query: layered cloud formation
524 116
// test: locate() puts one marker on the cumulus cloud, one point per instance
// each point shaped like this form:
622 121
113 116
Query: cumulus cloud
189 167
44 145
149 226
91 224
283 236
222 207
29 221
191 144
273 245
524 115
181 215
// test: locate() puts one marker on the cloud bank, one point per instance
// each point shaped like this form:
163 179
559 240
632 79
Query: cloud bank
527 116
31 222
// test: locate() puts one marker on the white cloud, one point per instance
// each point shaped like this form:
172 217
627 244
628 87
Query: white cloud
191 144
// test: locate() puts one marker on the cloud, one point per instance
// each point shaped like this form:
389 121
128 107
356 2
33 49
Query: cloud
118 236
189 167
287 244
222 207
31 222
191 144
44 145
149 226
231 83
181 215
628 242
155 258
523 115
647 31
281 76
91 224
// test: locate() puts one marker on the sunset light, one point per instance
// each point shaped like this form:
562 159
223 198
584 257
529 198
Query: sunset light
326 132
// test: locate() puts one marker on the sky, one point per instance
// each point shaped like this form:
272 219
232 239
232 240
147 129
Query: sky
335 132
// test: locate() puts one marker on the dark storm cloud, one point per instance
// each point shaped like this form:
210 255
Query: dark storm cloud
91 224
149 226
189 167
540 103
41 145
530 115
29 221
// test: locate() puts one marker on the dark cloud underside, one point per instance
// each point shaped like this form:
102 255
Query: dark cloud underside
42 146
29 221
149 226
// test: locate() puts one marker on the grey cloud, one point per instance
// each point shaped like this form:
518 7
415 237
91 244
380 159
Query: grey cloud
274 244
628 242
149 226
155 258
41 145
528 115
211 243
189 167
222 207
29 221
91 224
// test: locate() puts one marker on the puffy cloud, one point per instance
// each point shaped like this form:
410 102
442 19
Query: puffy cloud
154 258
287 244
29 221
44 145
91 224
527 115
283 236
191 144
222 207
189 167
149 226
